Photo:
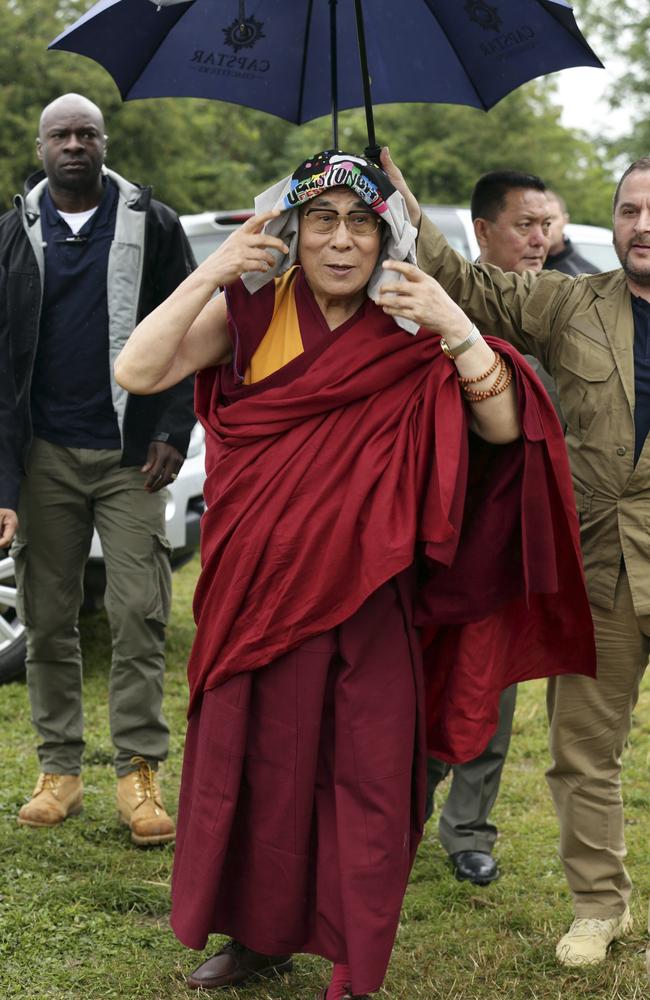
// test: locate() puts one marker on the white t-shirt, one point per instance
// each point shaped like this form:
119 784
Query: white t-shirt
77 219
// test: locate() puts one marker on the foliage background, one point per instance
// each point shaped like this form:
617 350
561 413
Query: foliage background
205 155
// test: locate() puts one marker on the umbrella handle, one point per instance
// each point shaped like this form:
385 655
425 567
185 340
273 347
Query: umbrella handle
373 153
334 75
372 150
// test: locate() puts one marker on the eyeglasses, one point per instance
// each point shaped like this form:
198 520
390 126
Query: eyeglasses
321 220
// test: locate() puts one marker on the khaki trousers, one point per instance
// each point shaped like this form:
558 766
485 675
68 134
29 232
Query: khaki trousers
590 722
65 493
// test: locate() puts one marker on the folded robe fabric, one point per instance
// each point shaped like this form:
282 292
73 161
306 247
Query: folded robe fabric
353 463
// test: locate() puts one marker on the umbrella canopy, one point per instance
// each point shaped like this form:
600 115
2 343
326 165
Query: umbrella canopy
299 59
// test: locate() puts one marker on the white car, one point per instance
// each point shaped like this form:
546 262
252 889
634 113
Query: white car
206 231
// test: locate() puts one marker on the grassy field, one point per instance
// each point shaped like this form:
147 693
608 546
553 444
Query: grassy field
83 915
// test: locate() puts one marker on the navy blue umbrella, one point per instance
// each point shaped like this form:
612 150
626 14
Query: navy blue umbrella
300 59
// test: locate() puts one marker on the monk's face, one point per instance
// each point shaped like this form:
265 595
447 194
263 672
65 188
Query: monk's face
338 263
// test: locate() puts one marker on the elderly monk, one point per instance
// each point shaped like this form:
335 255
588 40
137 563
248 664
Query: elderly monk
369 493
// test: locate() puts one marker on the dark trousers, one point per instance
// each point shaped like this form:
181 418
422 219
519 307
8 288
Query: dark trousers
464 821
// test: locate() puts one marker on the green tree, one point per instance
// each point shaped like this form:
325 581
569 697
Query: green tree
195 153
621 31
443 149
205 154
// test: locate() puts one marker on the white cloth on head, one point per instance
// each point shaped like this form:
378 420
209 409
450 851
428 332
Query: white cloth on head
398 243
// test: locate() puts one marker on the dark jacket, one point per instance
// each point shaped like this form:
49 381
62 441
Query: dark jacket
569 261
149 257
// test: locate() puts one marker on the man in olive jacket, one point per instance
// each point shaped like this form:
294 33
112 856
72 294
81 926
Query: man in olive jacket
592 333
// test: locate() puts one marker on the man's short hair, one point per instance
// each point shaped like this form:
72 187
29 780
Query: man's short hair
490 192
558 198
642 164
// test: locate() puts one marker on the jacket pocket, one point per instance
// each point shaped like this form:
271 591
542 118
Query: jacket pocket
161 590
585 380
586 358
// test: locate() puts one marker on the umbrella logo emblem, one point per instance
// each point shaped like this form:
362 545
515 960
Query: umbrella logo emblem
483 14
244 32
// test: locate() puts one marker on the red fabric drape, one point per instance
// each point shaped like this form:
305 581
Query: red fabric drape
329 481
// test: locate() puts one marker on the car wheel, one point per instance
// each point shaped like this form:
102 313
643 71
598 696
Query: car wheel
12 630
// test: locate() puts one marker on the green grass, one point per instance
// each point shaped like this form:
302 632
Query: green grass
83 914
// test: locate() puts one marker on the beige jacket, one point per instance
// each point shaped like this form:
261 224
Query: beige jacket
582 331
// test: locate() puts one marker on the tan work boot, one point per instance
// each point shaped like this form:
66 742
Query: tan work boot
587 940
55 797
140 806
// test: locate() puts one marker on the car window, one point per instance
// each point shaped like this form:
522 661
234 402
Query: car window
448 219
207 230
203 244
602 255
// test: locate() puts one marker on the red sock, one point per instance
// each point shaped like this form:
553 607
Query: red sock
339 984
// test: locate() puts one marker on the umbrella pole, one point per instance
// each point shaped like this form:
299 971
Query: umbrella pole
335 77
372 150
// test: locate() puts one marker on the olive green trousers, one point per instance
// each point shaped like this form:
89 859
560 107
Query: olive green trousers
590 723
65 493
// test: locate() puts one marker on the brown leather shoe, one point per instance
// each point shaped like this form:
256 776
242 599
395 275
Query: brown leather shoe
140 806
55 797
234 965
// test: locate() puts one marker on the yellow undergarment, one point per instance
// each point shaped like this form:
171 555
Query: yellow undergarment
282 341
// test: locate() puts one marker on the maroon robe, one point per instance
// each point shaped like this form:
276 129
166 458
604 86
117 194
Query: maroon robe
344 471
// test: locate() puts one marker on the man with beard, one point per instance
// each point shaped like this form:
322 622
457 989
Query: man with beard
592 333
83 257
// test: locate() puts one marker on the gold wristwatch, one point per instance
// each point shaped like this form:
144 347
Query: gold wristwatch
454 352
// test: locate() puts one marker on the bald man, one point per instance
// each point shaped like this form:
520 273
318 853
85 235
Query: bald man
85 255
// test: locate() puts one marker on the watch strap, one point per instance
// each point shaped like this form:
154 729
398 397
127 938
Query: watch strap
454 352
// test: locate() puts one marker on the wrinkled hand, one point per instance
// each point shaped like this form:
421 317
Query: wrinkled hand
8 526
396 177
422 299
247 249
163 465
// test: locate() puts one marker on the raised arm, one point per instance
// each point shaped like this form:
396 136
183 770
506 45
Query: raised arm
519 308
486 381
189 330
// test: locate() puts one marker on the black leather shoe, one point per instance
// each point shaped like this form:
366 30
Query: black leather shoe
235 965
477 867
